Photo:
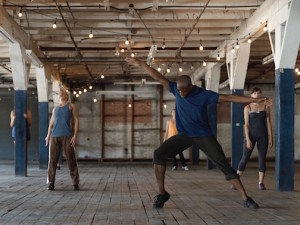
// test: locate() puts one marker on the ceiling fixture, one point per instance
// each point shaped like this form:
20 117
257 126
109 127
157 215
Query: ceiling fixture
201 46
91 34
158 69
237 46
218 57
127 41
163 44
20 12
233 50
180 69
266 26
249 39
54 24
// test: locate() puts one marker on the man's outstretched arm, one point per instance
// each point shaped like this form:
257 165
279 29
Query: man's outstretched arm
244 99
152 72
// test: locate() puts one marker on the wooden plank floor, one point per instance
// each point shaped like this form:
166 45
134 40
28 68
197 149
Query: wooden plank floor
122 193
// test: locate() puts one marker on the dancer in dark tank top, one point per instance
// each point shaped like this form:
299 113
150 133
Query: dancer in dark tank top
258 129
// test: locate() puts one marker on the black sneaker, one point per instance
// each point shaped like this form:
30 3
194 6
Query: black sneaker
51 187
250 203
159 200
75 187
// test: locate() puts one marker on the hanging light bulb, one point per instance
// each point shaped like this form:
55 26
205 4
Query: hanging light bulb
20 12
168 70
204 63
91 34
54 24
102 76
218 57
80 92
180 69
117 52
266 26
201 46
84 90
90 87
233 50
127 41
296 70
122 50
158 69
74 92
237 46
94 100
77 95
163 44
129 105
165 106
132 54
298 73
249 39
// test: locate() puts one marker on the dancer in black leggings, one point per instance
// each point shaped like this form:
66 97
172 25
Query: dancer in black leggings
258 129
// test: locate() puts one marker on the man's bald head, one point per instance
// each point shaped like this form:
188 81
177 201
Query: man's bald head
184 81
184 85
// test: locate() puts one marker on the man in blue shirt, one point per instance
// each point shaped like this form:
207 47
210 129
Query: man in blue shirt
193 129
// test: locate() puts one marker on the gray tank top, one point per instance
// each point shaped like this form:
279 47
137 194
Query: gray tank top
61 125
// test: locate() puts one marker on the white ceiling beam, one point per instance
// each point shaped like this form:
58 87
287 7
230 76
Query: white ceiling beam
254 24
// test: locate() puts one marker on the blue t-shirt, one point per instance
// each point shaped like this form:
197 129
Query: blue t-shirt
191 111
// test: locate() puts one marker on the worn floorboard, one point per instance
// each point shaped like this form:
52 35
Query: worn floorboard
122 193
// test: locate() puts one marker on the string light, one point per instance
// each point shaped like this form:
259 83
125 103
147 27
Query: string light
74 92
127 41
296 70
94 100
249 39
117 52
204 63
201 46
266 26
91 34
233 50
168 70
132 54
84 90
77 95
218 57
163 44
90 87
122 50
129 105
80 92
20 12
158 69
165 106
54 24
180 69
102 76
237 46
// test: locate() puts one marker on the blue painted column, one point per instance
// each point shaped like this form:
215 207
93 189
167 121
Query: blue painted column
284 130
212 117
43 130
237 121
20 133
